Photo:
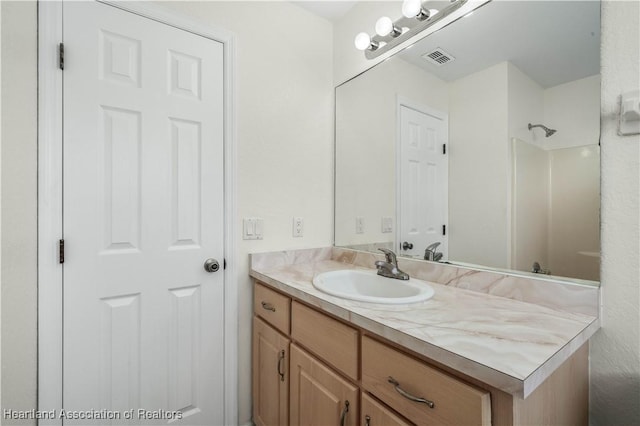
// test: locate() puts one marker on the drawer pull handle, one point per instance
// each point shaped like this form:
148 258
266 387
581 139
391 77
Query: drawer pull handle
367 420
407 395
280 362
268 306
343 417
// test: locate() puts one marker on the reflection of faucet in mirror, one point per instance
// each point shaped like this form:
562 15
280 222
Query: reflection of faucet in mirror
389 268
432 253
537 269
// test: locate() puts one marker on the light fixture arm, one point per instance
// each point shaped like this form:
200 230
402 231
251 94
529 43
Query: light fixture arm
415 25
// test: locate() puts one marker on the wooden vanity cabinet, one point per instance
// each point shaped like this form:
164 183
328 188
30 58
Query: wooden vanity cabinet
376 414
270 363
422 394
270 375
319 396
307 365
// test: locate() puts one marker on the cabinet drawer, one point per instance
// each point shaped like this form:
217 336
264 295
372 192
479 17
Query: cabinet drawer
272 306
376 414
444 400
333 341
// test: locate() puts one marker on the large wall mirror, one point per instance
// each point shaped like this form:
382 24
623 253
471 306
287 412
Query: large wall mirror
479 144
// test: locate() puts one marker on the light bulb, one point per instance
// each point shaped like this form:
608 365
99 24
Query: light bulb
411 8
362 41
384 26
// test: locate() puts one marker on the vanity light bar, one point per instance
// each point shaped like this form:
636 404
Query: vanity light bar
389 34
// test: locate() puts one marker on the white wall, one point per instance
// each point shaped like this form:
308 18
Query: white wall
19 226
478 142
0 213
284 107
615 349
530 206
574 227
526 105
527 202
366 130
573 109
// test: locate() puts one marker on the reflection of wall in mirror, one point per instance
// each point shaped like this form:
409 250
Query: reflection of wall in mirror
365 155
487 109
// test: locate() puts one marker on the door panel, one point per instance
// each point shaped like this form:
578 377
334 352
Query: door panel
143 210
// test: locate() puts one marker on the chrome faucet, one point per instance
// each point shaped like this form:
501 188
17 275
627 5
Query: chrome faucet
389 268
432 253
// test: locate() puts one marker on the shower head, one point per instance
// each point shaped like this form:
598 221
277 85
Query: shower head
547 131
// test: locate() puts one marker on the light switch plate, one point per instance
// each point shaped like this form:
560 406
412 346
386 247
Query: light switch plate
252 228
629 118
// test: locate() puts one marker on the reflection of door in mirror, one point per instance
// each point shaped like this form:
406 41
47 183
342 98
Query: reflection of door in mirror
422 180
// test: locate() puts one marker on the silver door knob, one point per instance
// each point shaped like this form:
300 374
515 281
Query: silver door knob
211 265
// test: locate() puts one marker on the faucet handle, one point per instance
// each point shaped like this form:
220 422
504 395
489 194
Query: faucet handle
390 256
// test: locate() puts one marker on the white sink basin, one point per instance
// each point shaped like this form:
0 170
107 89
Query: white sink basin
367 286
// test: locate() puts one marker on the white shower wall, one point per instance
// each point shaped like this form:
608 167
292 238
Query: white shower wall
574 227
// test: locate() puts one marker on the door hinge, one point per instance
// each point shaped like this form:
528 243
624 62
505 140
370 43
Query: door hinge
444 149
444 229
61 56
61 251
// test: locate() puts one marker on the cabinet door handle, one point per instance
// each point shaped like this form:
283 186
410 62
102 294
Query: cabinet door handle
343 417
407 395
268 306
280 362
367 420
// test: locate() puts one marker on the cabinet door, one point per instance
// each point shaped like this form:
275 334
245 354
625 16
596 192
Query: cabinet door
319 397
376 414
270 375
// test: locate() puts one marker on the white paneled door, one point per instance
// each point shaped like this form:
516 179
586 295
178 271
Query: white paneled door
143 211
423 177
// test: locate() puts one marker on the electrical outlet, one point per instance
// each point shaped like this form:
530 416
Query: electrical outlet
387 224
298 227
359 225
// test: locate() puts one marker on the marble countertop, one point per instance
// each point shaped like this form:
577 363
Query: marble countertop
509 344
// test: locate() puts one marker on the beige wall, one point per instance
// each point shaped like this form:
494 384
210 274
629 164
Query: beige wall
615 350
19 226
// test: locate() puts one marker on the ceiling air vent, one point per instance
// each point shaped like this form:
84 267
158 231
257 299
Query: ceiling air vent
438 57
